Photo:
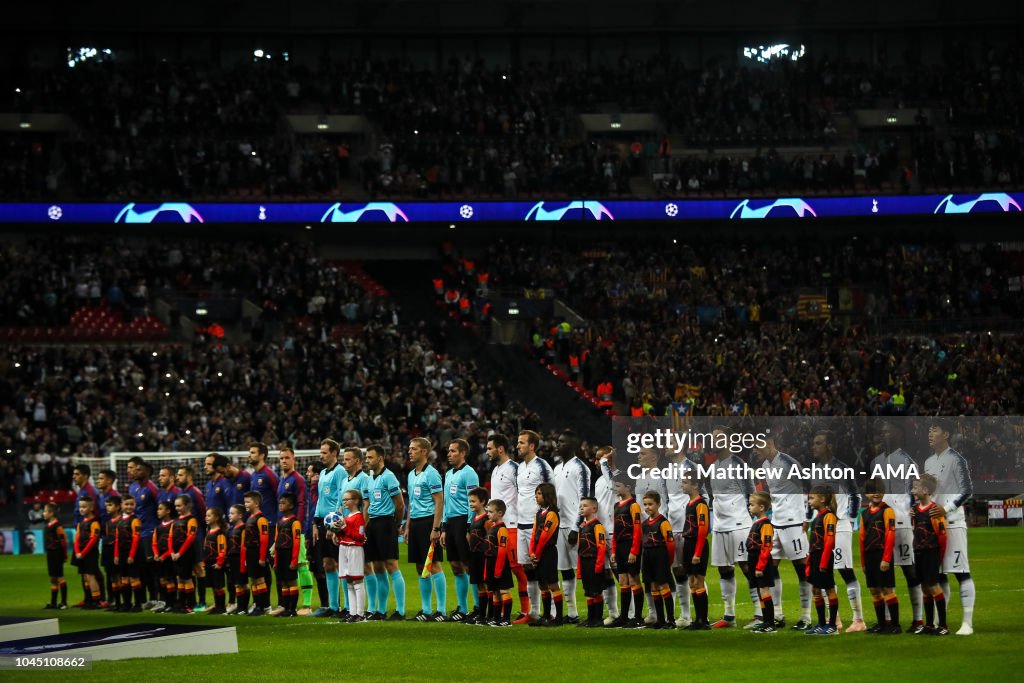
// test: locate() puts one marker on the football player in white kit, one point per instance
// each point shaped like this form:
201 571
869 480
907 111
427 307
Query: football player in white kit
730 525
504 487
675 512
604 491
954 489
899 497
572 484
847 508
531 473
789 510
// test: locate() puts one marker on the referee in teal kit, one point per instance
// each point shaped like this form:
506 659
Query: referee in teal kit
458 482
386 511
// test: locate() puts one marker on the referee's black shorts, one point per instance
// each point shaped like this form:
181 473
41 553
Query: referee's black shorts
455 539
419 532
325 547
381 539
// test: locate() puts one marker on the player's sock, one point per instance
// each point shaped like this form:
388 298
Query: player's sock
545 604
700 605
370 581
462 591
893 605
201 589
659 606
944 583
398 582
638 601
190 595
425 594
440 586
833 607
102 583
929 609
140 593
608 597
497 607
767 610
728 588
916 601
506 607
332 591
569 591
306 585
755 600
358 598
853 594
967 595
776 591
343 593
524 593
63 592
54 589
219 599
940 607
321 589
625 598
650 603
819 607
535 594
683 595
474 590
670 605
879 603
805 598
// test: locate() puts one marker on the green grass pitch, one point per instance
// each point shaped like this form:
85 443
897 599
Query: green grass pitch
306 649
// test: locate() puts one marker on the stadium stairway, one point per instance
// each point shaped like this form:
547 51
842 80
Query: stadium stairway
524 380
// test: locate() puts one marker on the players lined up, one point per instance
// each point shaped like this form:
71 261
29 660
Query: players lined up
441 517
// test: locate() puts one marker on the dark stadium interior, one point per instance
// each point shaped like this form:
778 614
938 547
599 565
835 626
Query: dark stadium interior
199 339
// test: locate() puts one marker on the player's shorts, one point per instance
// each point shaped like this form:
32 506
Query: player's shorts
235 575
568 555
419 532
875 577
89 564
903 551
183 567
476 568
523 543
790 543
55 563
253 570
381 540
928 565
729 548
698 569
284 572
501 583
955 560
128 571
820 578
455 541
146 546
842 554
547 565
656 565
513 547
593 581
622 563
351 560
107 556
767 578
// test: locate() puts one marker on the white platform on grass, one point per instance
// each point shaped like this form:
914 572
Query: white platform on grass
17 628
130 642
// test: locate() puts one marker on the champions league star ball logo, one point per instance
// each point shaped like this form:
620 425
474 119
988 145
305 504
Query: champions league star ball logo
1005 201
596 209
797 207
336 215
184 212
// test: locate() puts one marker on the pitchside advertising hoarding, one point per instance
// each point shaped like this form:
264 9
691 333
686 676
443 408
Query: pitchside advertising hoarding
571 210
973 459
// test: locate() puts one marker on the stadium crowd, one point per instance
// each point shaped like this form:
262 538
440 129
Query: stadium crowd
773 328
186 129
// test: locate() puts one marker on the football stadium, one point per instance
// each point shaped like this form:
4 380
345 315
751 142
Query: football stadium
432 340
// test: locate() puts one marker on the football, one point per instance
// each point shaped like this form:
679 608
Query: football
334 521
